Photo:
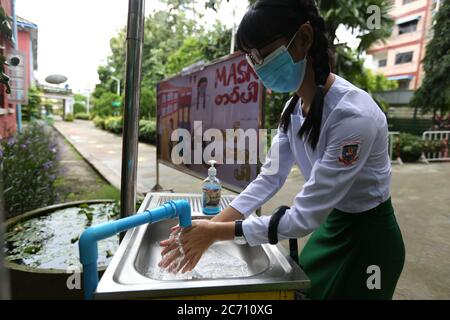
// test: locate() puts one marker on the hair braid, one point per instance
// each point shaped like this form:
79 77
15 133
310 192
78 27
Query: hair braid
319 54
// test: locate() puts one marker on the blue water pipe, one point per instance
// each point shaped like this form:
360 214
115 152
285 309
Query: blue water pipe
90 237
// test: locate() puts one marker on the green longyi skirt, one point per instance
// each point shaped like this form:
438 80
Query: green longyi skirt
355 255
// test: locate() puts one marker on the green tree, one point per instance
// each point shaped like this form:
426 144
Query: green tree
171 42
369 18
373 83
5 33
358 15
189 52
79 98
32 109
207 46
79 105
148 103
216 42
434 93
103 104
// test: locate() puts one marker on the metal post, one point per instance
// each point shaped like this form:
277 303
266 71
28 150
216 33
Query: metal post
87 94
135 32
16 46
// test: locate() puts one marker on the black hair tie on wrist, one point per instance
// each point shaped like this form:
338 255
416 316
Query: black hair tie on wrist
273 224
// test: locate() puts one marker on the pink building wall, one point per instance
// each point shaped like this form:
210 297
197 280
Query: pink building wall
8 117
408 42
24 48
8 122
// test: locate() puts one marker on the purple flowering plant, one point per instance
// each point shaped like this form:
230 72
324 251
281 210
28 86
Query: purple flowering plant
30 162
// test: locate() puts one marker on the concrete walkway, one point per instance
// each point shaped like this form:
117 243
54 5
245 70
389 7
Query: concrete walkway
104 151
420 194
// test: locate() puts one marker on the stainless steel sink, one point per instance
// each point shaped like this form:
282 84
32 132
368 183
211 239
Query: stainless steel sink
149 255
269 267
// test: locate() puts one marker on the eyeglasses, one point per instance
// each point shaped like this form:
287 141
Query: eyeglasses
255 59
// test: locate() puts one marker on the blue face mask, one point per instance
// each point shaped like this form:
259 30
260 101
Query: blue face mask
279 72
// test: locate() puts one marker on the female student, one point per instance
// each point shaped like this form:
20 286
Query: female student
338 137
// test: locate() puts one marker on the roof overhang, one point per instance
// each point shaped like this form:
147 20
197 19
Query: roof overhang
402 77
408 19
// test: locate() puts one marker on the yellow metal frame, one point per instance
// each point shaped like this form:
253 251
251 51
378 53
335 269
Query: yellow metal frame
268 295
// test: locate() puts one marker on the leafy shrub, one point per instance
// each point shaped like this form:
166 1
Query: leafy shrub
410 147
30 167
32 109
147 128
82 116
147 131
68 117
102 103
99 122
49 119
432 146
79 107
114 124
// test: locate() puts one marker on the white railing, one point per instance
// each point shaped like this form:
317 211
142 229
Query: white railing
441 152
393 154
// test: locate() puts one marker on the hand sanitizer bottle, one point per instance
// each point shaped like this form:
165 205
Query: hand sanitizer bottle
211 190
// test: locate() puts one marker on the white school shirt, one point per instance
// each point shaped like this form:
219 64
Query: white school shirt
349 170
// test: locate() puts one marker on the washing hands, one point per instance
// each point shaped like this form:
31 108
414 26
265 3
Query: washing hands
185 246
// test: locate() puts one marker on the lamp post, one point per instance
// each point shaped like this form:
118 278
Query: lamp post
118 84
87 94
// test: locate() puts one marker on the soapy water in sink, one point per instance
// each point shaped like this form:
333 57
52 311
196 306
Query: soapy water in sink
214 264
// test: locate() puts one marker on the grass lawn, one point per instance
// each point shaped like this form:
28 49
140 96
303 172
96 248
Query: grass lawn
78 180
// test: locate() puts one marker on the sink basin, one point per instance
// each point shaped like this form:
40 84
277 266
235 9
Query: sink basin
267 267
255 259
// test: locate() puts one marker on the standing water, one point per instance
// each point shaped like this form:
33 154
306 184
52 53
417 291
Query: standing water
215 263
51 241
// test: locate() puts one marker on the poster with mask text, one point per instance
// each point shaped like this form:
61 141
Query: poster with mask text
212 112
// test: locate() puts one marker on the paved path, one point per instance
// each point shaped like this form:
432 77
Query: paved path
104 151
420 194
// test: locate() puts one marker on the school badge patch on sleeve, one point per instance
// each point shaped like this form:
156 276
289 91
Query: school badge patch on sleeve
349 152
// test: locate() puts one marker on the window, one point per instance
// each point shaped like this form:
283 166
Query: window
407 1
404 57
382 63
408 27
2 100
403 84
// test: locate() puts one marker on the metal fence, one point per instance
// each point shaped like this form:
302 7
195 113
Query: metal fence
439 150
393 154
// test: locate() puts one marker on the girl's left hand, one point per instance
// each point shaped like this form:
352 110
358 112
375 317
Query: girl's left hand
194 240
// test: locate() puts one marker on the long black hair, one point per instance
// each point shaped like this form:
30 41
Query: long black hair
270 20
